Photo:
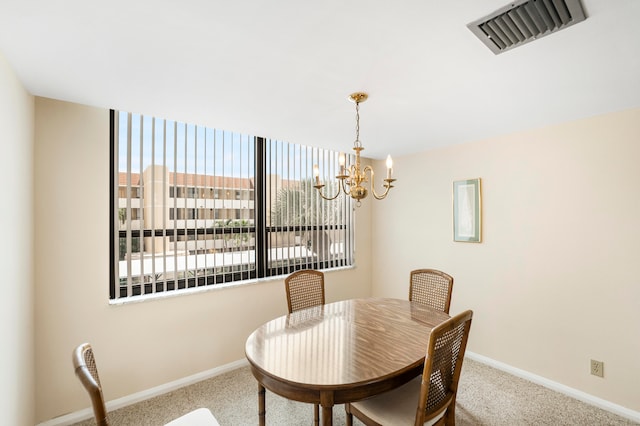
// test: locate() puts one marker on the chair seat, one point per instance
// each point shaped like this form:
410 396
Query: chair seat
199 417
396 407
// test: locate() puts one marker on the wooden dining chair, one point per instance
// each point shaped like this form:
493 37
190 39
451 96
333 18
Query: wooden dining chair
431 287
85 366
435 390
305 289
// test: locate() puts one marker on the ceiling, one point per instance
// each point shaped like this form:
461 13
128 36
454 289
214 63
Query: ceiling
283 69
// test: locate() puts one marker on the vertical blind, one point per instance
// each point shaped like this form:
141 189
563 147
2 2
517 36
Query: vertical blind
186 199
305 231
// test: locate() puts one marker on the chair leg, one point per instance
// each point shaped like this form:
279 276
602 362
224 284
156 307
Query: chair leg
261 405
316 415
348 414
450 415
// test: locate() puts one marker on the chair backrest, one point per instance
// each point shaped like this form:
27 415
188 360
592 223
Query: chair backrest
85 366
442 367
432 288
304 289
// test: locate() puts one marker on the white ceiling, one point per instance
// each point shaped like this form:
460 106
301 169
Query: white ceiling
283 69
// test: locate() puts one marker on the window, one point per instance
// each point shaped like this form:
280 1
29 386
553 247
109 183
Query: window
194 206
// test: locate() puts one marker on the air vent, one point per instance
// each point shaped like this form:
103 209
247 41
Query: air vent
526 20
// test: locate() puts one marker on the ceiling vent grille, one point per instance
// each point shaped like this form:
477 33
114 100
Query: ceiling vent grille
526 20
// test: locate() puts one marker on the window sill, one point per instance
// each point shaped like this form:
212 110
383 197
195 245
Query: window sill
203 289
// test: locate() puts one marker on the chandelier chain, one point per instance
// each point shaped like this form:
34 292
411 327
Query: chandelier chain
357 141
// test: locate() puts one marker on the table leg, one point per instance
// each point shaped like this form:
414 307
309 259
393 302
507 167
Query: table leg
326 400
327 416
261 406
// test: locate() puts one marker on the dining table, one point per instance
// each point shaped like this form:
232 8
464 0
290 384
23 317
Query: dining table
340 352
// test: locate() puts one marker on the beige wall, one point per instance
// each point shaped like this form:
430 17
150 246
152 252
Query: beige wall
555 281
16 252
142 345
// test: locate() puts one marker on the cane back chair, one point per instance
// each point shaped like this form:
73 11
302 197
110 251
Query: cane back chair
435 390
85 366
431 287
304 289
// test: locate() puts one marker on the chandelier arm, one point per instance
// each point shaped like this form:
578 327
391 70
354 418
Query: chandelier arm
387 185
319 188
345 187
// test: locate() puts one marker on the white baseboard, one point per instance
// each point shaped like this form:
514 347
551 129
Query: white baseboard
566 390
78 416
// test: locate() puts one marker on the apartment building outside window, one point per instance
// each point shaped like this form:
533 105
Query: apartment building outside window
194 206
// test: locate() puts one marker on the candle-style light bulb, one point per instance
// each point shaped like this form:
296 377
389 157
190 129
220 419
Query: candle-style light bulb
316 173
389 166
342 160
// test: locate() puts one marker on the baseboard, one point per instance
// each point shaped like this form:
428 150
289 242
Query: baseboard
566 390
78 416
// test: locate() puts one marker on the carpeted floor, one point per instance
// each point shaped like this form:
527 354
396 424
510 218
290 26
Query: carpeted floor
486 396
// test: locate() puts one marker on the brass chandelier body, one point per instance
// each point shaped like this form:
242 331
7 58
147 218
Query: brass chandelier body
351 179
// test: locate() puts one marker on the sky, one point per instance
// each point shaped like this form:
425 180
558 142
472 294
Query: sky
187 148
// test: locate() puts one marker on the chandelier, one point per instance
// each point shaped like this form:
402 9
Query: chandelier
351 179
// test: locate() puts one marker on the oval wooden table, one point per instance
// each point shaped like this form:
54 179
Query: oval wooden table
340 352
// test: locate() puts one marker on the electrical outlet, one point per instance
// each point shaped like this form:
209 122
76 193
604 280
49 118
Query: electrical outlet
597 368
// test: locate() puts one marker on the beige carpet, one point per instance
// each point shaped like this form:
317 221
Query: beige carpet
486 397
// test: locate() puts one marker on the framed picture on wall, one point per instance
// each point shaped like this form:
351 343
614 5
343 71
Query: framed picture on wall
467 211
